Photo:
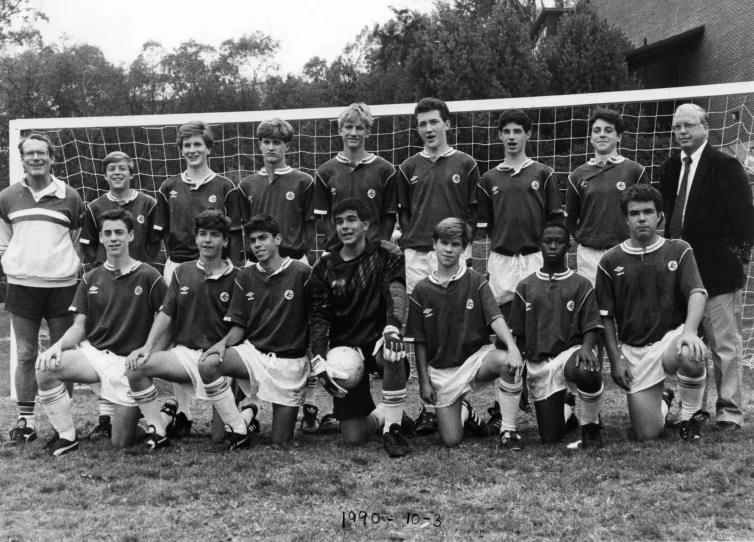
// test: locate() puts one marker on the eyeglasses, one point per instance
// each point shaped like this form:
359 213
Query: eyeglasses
32 154
688 126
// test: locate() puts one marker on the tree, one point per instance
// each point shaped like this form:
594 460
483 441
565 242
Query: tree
243 64
17 21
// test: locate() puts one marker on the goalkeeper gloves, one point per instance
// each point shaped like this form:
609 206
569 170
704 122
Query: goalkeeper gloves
327 375
391 344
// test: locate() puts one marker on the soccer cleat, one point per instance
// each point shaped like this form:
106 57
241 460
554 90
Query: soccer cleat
590 436
329 425
474 425
690 430
50 441
408 426
62 446
426 423
21 434
511 440
150 443
180 427
495 422
232 441
309 420
249 414
103 431
395 444
572 423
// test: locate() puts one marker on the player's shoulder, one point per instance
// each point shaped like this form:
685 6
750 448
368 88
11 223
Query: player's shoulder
677 246
149 272
388 250
462 157
99 205
299 268
412 161
171 182
143 197
92 275
615 253
224 182
538 168
329 167
301 177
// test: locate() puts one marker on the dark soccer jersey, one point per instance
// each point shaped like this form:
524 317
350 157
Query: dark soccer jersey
198 304
119 307
515 205
144 210
272 308
452 321
647 292
434 191
180 201
553 315
350 301
289 197
373 181
593 200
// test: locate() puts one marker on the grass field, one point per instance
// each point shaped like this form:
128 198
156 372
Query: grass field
627 491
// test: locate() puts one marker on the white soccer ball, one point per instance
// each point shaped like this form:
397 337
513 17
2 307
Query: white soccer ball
348 360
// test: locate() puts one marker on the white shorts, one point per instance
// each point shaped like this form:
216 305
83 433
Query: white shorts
278 380
167 273
419 264
451 384
507 271
587 262
646 361
113 384
189 358
548 377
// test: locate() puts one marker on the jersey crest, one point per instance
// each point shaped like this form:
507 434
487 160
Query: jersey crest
456 178
288 294
371 194
289 196
570 306
224 297
621 185
535 185
470 304
140 219
672 265
213 199
138 290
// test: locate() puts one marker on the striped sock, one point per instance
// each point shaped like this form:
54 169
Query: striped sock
106 408
508 396
691 391
184 396
591 405
221 396
465 413
26 411
311 390
150 407
379 416
57 405
393 401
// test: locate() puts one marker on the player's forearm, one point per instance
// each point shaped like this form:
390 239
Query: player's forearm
590 338
611 340
159 332
154 250
75 334
90 253
75 236
400 304
310 234
388 225
404 219
695 311
420 351
502 332
571 223
473 219
234 336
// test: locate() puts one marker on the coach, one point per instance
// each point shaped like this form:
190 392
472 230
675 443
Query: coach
40 224
708 203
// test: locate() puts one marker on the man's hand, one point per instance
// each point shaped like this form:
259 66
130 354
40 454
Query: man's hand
586 356
427 392
393 349
621 373
327 375
514 361
50 358
697 348
218 348
138 357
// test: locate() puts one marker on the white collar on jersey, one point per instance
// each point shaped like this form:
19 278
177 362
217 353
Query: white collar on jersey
557 276
461 270
281 171
368 159
449 152
55 188
196 185
122 272
628 249
200 265
286 262
133 196
613 160
503 166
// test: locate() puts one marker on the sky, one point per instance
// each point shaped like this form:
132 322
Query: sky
305 28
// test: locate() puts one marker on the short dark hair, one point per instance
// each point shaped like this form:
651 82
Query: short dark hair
426 105
516 116
194 128
557 225
641 192
609 116
262 222
117 214
275 128
452 227
352 204
118 156
212 219
39 137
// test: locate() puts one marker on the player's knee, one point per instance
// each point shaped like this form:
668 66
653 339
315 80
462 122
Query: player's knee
645 433
509 378
209 369
586 381
451 441
45 378
27 355
692 368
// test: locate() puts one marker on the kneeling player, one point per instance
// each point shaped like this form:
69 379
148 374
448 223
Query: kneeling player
357 298
196 302
650 289
115 305
555 315
268 309
449 316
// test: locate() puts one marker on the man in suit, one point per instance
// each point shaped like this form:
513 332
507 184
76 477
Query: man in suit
708 203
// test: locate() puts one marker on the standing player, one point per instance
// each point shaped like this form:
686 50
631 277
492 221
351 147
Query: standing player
649 289
594 192
196 302
40 225
357 298
437 183
115 305
269 314
555 316
450 313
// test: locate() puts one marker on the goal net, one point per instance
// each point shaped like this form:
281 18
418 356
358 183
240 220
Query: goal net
559 139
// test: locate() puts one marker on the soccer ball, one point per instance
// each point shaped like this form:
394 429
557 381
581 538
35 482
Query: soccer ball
348 360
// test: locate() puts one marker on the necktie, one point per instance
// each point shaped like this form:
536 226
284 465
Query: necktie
676 223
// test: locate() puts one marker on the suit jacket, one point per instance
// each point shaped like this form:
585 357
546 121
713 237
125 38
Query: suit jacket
719 219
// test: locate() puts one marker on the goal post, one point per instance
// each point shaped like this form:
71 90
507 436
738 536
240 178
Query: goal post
559 139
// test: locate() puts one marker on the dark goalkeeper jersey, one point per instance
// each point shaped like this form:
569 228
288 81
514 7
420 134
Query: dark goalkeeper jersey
647 291
552 315
349 301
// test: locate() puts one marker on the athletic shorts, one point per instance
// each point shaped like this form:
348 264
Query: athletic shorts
167 273
111 369
587 262
547 377
455 382
189 358
419 263
38 303
507 271
646 361
278 380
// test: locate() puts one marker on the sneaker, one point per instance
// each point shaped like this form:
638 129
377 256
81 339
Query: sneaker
408 426
249 413
150 443
495 421
426 423
309 421
21 434
690 430
474 425
180 427
511 440
590 436
50 441
62 446
572 423
103 431
328 425
395 444
232 441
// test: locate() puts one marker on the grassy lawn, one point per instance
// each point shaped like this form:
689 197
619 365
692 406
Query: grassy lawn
626 491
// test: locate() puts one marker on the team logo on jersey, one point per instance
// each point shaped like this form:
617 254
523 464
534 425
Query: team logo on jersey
672 265
288 294
332 191
251 198
138 290
494 190
528 306
213 199
414 179
427 313
250 296
93 290
140 219
535 185
184 290
456 178
224 297
619 270
371 194
570 306
289 196
470 304
173 194
621 185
